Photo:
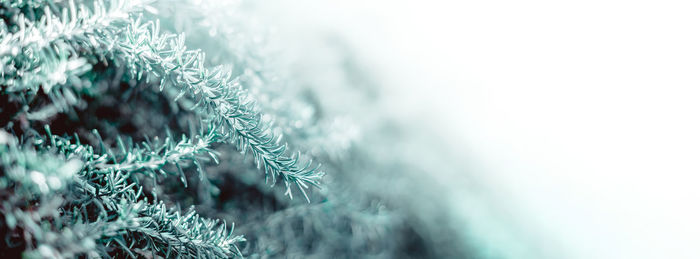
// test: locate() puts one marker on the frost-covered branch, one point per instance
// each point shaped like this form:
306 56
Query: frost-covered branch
218 96
75 21
107 207
44 52
149 156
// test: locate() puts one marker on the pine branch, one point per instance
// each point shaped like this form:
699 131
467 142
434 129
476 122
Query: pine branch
216 94
26 3
75 21
149 157
167 232
43 52
35 172
136 225
33 187
144 50
123 215
55 68
145 226
296 112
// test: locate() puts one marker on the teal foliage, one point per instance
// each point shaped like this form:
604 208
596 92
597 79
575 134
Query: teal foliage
111 123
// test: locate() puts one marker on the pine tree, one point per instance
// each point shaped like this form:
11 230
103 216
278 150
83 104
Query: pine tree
110 125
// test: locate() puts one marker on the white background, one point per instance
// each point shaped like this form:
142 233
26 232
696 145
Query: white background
579 118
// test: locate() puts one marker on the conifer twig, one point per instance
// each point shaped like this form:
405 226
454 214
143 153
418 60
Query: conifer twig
124 210
217 95
27 58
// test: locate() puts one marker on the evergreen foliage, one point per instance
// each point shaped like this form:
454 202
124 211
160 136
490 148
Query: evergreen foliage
110 124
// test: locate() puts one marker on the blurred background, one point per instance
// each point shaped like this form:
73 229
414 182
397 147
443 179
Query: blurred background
553 129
